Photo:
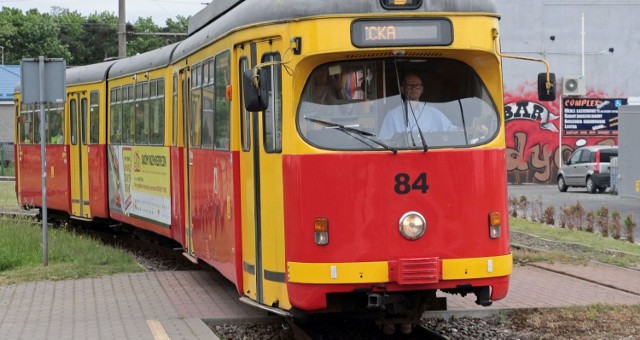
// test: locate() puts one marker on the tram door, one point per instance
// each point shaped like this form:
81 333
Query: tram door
261 185
78 115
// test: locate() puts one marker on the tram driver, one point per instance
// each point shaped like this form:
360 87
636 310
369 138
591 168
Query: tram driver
412 112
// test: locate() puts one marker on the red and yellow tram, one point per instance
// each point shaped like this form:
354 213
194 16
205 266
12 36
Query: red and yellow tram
257 144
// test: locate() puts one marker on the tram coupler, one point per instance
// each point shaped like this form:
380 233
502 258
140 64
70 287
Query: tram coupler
394 303
375 300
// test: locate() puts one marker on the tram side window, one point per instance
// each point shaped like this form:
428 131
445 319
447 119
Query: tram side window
55 124
273 115
116 116
17 125
94 117
26 124
244 116
174 110
208 100
85 113
127 114
36 126
196 106
222 110
73 111
156 115
142 114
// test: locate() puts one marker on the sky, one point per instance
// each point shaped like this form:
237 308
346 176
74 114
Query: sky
159 10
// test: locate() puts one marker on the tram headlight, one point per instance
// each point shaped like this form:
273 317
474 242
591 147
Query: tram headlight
494 225
321 228
412 225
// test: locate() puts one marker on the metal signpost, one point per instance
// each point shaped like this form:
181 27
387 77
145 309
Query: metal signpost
43 81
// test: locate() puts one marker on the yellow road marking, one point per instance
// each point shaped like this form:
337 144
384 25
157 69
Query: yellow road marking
157 330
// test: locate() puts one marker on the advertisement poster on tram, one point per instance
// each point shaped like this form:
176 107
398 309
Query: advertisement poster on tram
139 183
591 116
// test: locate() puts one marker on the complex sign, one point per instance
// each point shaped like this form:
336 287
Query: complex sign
591 116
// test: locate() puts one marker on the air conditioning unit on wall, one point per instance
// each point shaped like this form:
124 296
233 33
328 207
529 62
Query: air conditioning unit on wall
573 86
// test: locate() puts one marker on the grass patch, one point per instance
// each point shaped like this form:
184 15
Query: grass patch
592 240
8 170
71 255
523 256
8 195
573 246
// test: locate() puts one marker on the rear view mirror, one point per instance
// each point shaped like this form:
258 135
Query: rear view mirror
254 87
546 94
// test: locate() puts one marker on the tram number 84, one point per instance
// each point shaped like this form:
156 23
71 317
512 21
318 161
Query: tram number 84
405 184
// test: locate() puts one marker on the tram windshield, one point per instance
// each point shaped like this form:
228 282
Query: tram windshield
396 104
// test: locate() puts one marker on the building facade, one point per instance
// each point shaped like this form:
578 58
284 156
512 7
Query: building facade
9 77
591 48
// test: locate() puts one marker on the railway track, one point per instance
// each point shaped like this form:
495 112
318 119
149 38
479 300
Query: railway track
325 328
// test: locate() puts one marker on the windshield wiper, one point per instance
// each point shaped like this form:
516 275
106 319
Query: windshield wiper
425 147
347 129
340 126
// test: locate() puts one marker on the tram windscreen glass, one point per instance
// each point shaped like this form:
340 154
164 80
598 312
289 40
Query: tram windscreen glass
358 105
379 33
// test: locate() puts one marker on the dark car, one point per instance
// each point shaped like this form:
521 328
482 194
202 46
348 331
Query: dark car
588 167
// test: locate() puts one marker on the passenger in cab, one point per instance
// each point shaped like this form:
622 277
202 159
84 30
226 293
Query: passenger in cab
326 90
413 113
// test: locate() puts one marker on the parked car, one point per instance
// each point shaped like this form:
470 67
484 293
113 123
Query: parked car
588 167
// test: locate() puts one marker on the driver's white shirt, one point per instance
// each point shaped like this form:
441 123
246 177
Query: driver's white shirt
429 118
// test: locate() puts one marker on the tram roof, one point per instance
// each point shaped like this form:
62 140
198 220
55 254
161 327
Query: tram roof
88 73
222 16
143 62
82 74
299 8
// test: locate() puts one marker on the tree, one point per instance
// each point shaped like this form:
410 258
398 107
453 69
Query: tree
38 35
8 32
100 36
142 39
71 32
181 25
79 40
30 35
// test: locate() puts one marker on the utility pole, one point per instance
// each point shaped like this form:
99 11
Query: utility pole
122 30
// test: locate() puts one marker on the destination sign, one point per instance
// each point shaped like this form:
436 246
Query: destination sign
395 33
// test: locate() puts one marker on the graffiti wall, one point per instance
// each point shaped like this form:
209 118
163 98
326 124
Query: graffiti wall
579 40
534 133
